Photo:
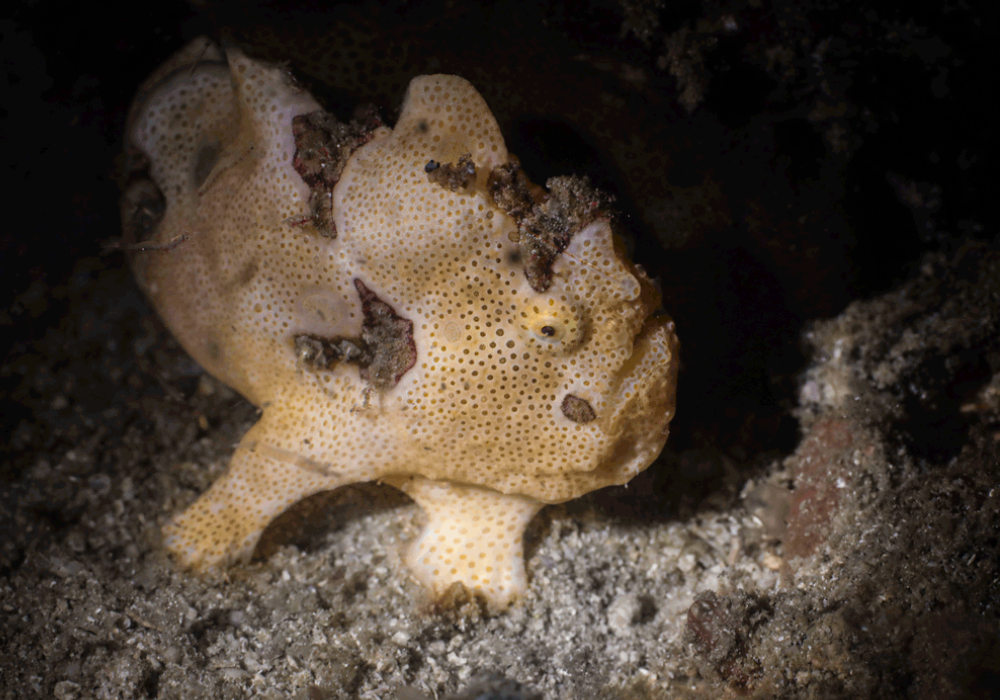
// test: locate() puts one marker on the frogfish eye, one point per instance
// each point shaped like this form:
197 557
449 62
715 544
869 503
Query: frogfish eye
551 325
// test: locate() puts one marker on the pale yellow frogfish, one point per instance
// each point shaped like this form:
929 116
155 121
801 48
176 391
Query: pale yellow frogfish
403 305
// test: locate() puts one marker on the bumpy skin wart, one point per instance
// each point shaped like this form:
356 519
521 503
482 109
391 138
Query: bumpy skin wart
402 341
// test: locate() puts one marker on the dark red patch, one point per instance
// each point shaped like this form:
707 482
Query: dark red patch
389 339
452 176
546 221
322 148
577 410
384 352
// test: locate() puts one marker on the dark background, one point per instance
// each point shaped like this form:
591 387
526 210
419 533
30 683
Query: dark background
772 162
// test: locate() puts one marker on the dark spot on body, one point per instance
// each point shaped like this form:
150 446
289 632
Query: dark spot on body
422 127
384 352
577 410
247 273
142 205
546 221
389 338
322 147
142 209
204 162
512 191
325 353
452 176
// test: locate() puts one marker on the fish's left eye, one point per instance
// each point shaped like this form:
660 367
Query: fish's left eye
551 325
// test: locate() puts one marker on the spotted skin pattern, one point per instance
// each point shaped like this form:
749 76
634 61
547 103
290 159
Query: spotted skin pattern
403 342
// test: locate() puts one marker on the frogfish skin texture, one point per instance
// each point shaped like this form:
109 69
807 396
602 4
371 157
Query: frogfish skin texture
402 304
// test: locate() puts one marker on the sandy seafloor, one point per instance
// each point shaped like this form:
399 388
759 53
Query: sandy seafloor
823 523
